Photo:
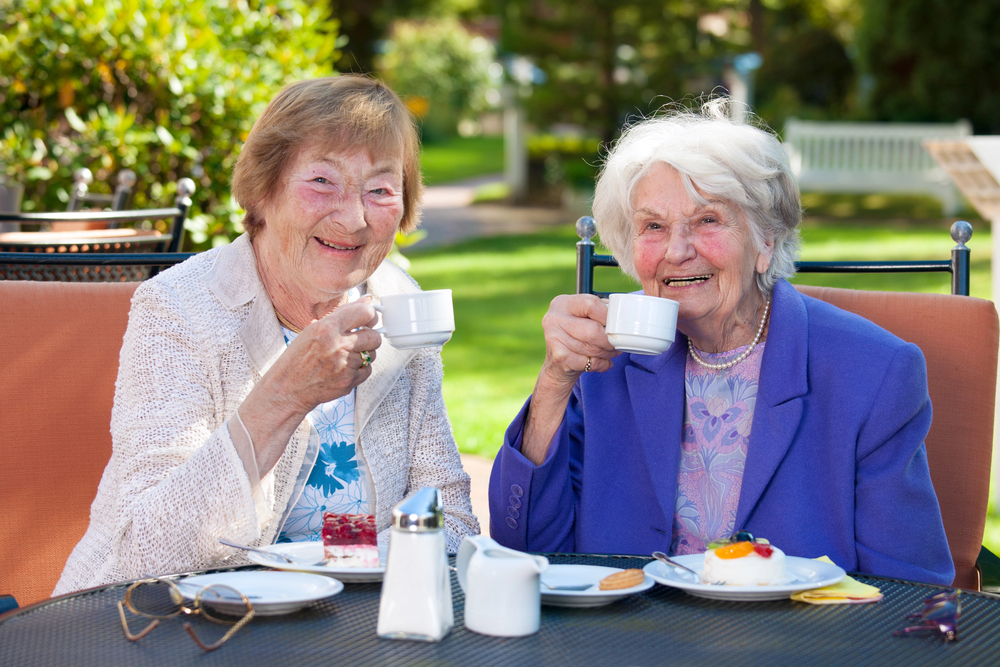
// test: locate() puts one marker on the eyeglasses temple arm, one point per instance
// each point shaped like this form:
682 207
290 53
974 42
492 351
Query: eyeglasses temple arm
128 634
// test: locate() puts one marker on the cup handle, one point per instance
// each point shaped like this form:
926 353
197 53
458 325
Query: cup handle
380 309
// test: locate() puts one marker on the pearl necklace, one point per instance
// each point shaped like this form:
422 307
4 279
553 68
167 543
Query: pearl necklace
746 353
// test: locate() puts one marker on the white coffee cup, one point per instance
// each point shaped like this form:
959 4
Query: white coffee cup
417 319
641 324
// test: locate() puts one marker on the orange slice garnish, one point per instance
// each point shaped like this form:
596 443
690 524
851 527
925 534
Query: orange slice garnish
737 550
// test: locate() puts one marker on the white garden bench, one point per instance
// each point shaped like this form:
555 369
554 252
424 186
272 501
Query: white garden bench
871 157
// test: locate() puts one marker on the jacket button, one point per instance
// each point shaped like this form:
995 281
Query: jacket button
511 523
516 490
513 513
515 502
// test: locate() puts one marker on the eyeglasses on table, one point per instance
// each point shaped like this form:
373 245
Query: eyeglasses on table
160 599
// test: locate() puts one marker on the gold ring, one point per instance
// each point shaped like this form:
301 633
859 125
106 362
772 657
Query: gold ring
366 358
586 369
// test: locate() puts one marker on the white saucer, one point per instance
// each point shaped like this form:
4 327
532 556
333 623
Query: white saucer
580 574
803 574
312 552
636 344
270 593
418 340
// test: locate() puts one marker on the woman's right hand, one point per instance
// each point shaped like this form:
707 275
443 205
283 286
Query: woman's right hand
574 337
323 363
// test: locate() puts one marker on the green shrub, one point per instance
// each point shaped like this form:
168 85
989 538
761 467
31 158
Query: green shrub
441 70
168 88
557 162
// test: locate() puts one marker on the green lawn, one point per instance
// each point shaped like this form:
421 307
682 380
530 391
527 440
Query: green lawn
503 285
459 158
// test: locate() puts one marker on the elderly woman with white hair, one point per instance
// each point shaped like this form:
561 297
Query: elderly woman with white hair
772 412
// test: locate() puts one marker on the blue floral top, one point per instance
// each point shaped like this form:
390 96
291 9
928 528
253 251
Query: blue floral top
339 481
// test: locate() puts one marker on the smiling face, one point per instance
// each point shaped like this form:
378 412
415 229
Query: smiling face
700 255
327 227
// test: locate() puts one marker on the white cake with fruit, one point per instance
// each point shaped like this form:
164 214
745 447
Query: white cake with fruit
745 563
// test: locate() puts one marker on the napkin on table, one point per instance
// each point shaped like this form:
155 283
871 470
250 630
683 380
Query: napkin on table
847 591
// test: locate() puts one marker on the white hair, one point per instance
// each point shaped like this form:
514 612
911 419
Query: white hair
743 165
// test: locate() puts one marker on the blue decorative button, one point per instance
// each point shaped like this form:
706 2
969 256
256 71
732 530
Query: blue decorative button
511 523
513 512
516 490
515 501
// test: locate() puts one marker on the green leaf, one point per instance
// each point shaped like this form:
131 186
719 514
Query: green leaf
75 121
164 135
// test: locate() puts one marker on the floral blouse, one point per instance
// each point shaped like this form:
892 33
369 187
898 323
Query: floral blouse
339 481
718 415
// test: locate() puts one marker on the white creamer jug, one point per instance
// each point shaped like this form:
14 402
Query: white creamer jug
416 589
502 590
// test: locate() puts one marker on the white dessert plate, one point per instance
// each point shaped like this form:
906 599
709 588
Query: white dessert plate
803 574
568 575
270 593
312 552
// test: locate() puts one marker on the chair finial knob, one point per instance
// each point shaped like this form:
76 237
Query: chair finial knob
586 227
185 187
961 232
83 175
126 178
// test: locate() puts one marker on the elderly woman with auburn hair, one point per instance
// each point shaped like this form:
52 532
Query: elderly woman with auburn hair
252 392
772 412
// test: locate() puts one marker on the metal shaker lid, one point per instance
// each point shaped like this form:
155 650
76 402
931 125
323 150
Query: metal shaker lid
421 511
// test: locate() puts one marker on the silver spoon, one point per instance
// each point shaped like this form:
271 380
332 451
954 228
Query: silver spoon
271 554
660 556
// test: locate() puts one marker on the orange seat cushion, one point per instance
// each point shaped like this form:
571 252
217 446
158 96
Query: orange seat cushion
959 337
59 346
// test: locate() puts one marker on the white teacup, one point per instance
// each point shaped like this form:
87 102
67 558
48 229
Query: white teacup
641 324
417 319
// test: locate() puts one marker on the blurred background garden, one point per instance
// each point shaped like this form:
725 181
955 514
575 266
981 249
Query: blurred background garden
170 89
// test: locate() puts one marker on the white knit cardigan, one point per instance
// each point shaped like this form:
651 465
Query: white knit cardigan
199 337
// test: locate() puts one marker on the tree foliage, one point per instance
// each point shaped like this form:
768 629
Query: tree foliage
605 59
933 60
440 69
806 69
168 88
365 25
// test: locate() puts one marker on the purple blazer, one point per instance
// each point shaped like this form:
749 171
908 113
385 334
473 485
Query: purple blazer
835 466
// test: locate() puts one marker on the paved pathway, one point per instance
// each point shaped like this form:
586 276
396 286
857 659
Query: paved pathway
449 215
479 468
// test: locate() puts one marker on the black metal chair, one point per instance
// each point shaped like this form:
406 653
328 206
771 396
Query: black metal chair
95 254
958 266
82 198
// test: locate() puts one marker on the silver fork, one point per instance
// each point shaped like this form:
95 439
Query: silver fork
660 556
